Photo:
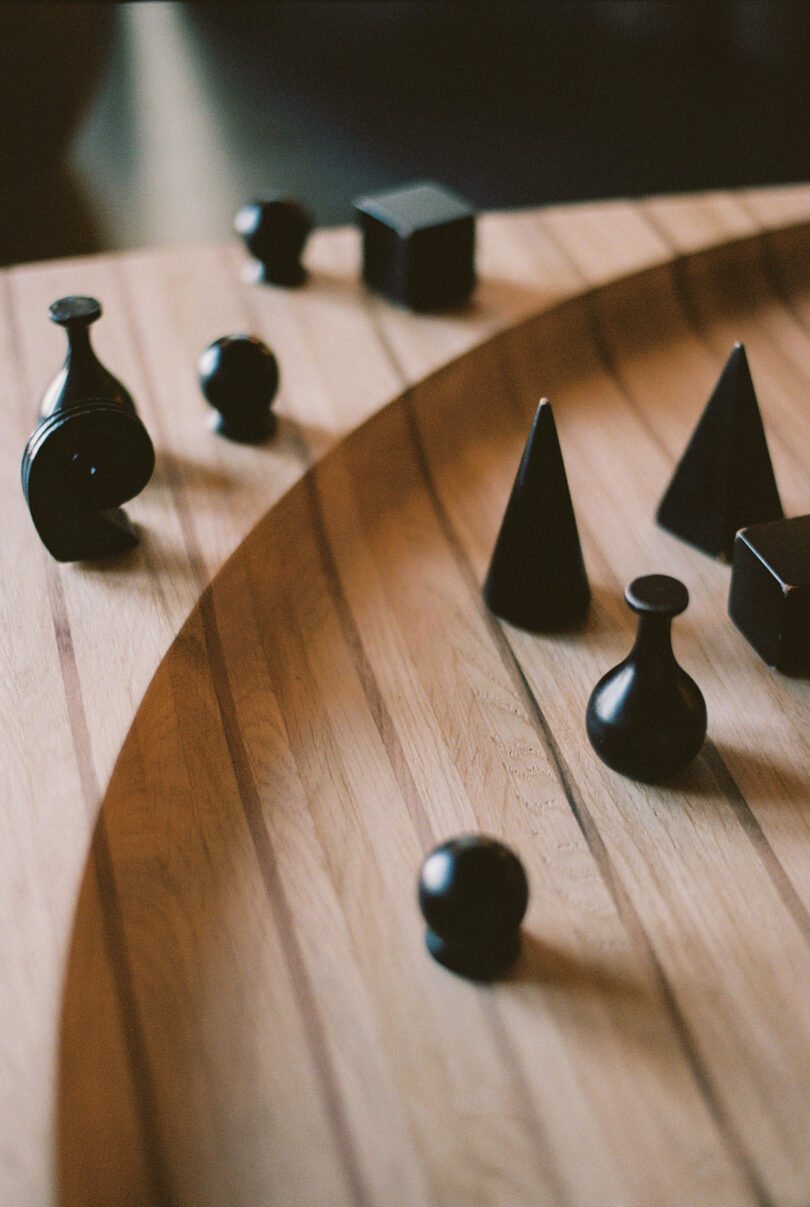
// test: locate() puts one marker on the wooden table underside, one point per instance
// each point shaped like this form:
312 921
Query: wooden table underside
240 1009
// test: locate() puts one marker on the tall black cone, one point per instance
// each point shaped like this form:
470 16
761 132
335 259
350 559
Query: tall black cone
537 578
724 480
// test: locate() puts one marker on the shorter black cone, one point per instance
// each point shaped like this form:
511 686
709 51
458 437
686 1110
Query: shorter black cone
537 578
724 480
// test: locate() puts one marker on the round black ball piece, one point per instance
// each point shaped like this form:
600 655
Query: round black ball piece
274 232
239 377
646 717
473 894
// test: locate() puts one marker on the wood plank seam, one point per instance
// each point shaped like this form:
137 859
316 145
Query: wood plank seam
252 808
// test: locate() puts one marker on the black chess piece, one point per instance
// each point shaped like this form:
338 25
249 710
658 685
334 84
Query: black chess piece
275 232
89 453
537 579
473 894
724 480
769 600
418 245
239 377
646 717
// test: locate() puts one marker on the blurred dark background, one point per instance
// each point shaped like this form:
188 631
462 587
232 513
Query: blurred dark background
136 124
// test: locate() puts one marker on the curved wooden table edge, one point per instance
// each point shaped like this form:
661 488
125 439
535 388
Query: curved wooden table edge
750 246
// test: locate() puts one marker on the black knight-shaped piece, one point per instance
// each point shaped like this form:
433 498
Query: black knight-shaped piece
89 453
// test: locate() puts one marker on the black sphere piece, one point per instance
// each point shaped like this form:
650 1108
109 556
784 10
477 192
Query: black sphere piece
274 232
646 717
239 378
473 894
89 453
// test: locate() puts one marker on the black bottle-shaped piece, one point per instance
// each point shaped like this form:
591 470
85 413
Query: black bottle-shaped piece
646 717
536 578
724 480
89 453
473 893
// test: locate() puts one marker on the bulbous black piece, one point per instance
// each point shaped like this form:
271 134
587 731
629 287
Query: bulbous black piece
239 377
646 717
473 894
89 453
274 232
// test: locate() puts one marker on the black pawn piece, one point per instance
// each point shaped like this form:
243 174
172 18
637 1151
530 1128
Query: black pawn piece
274 232
89 453
769 600
724 480
537 578
473 894
239 378
646 718
418 246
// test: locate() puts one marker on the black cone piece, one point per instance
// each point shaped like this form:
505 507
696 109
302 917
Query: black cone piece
724 480
537 578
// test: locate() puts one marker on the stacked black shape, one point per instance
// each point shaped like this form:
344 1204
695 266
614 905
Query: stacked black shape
274 232
89 453
724 480
646 717
473 894
537 579
239 377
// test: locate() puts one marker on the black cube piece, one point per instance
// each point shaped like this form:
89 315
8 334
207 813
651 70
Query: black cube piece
769 600
418 246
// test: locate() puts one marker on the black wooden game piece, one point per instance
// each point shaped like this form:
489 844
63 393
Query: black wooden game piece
473 894
646 717
418 246
536 577
769 600
239 378
274 232
89 453
724 480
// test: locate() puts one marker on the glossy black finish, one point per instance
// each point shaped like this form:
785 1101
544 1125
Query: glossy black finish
89 453
769 600
724 480
537 577
239 377
473 894
418 246
275 232
646 717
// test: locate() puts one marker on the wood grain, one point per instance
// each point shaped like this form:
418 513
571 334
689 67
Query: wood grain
239 1009
339 701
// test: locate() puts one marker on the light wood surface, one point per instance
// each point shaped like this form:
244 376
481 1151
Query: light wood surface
215 801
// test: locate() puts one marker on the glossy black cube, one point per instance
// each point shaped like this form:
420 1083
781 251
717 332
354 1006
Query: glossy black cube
418 246
769 600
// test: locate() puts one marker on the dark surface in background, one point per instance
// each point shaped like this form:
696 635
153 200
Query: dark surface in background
516 103
507 103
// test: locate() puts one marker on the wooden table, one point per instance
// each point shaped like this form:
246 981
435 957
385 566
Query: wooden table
214 986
